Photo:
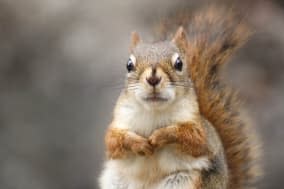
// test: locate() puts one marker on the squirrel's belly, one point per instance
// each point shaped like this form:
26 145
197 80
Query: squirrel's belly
159 165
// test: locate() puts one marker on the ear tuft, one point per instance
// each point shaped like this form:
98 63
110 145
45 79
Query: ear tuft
180 39
134 41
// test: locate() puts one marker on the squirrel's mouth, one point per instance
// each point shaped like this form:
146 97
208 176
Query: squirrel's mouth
155 98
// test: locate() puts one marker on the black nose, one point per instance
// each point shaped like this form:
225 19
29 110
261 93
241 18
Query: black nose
153 80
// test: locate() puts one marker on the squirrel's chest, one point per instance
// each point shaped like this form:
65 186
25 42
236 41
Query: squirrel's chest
144 122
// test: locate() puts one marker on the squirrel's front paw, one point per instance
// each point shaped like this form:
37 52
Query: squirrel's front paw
140 145
162 136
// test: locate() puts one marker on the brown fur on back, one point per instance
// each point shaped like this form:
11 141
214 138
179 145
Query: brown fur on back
213 37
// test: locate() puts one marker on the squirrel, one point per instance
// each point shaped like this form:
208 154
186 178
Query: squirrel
176 125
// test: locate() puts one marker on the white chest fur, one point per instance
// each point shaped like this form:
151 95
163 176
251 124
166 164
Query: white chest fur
139 172
132 116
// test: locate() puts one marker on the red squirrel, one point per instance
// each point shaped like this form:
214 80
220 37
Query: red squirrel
175 124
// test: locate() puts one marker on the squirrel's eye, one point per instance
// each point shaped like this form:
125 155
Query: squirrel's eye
177 62
130 63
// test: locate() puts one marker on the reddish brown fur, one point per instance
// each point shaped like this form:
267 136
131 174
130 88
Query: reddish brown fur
121 142
198 183
214 37
114 140
190 138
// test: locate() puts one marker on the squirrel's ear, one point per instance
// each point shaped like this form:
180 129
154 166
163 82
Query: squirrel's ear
135 39
180 39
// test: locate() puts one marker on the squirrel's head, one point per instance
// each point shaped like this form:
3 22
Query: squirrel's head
157 73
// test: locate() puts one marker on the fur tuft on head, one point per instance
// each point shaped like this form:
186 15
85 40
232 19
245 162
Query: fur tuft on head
134 41
180 39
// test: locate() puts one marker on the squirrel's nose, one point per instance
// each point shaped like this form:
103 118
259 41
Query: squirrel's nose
153 80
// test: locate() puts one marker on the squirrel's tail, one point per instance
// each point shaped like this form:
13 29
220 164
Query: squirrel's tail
213 36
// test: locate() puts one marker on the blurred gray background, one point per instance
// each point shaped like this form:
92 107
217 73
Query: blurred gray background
62 65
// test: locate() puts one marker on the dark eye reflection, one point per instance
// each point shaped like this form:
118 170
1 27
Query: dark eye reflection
130 65
178 64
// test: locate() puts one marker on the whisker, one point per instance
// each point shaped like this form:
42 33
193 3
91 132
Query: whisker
133 86
179 84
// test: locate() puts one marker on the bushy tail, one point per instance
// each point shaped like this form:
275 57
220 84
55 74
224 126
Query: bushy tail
213 36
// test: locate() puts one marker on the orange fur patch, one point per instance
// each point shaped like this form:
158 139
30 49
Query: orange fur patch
216 36
198 183
190 137
120 143
114 140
